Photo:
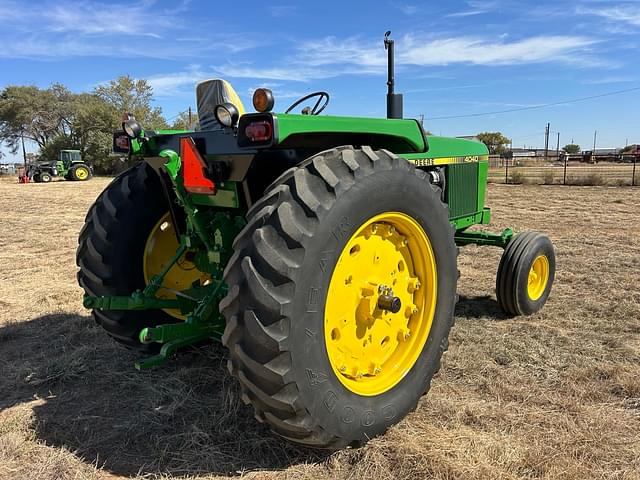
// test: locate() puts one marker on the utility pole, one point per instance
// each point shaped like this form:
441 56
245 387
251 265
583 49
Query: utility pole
422 119
189 126
558 147
595 135
24 153
546 142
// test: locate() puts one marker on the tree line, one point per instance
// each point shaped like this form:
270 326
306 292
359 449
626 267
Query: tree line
56 119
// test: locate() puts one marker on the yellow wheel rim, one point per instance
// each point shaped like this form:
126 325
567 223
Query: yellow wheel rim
82 173
371 349
538 277
161 245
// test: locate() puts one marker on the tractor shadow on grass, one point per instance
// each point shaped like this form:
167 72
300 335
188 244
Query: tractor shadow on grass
479 307
183 418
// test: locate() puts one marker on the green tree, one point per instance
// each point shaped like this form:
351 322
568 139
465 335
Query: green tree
572 148
496 142
629 148
95 122
127 95
182 122
36 114
56 118
53 147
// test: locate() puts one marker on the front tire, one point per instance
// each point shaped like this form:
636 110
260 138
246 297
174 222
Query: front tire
45 177
525 274
282 291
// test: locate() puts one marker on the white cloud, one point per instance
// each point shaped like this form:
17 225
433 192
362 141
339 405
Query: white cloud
170 84
134 29
609 79
486 51
332 57
408 9
476 7
281 11
293 73
428 51
88 18
629 14
466 13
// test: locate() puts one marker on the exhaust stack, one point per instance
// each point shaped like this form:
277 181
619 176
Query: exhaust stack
394 100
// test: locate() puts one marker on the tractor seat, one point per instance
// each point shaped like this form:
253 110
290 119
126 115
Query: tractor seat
209 94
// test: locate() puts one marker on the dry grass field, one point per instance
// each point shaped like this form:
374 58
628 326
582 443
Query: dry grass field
556 395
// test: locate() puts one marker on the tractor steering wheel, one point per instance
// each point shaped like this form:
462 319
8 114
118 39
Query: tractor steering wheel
317 108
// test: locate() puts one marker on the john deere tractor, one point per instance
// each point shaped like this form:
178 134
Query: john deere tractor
320 250
69 165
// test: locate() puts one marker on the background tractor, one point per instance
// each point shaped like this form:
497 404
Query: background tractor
321 251
69 165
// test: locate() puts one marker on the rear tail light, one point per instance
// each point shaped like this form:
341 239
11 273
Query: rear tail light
259 131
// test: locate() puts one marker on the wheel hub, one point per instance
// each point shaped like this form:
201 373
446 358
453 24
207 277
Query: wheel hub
82 173
538 277
160 247
380 303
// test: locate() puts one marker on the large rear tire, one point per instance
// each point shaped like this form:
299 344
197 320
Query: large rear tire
111 250
321 231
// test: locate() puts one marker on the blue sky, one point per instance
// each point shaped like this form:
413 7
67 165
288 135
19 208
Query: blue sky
453 57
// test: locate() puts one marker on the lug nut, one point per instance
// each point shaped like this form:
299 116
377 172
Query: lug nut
403 334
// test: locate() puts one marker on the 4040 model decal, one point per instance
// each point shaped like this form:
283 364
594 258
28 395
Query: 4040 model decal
428 162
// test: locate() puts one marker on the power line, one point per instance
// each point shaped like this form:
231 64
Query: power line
533 107
178 114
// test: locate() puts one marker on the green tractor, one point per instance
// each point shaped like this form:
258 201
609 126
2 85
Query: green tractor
69 165
320 250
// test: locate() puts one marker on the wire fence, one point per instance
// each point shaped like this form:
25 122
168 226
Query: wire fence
563 173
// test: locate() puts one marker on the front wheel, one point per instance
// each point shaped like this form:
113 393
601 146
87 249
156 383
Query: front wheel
341 297
525 274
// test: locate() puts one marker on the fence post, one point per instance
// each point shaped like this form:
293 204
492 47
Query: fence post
633 175
564 177
506 170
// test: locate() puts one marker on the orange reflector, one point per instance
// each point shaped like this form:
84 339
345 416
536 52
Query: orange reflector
193 168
